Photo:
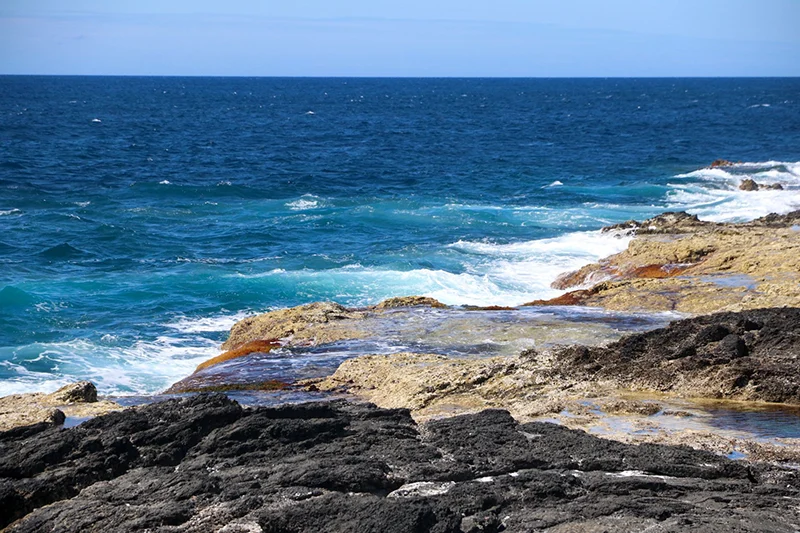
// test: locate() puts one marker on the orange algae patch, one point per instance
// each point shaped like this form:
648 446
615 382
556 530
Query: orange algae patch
570 298
260 346
656 271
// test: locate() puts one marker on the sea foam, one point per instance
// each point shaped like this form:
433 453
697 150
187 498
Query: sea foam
145 367
714 194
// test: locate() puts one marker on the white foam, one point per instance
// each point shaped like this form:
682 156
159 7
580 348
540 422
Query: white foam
207 324
8 212
164 182
494 274
146 367
305 202
555 184
714 194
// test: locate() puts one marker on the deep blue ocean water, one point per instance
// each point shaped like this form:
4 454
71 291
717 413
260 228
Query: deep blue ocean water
140 217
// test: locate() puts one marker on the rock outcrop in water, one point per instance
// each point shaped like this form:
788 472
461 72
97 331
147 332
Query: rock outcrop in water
315 323
302 326
318 322
76 399
677 262
205 464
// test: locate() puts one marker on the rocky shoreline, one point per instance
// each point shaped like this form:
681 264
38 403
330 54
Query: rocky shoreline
677 262
457 441
206 464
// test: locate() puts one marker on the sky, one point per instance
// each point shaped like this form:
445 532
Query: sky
491 38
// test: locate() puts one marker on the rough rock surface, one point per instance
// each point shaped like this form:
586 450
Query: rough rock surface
747 356
750 355
76 399
205 464
409 301
302 326
314 323
677 262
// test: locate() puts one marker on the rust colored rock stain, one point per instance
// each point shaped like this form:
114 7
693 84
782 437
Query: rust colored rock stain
570 298
657 271
260 346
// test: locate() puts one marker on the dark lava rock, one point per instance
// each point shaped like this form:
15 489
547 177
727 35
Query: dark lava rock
206 464
748 355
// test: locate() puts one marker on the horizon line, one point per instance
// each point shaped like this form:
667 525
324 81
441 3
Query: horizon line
356 76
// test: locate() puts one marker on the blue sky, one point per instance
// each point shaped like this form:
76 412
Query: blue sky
401 38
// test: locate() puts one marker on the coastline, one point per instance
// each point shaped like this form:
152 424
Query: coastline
736 285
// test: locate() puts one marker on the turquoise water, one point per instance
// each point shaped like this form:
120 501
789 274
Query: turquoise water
141 217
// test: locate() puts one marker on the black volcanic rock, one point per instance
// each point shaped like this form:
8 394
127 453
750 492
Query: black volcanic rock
747 355
204 464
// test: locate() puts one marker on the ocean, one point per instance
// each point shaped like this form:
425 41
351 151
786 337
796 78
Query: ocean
140 217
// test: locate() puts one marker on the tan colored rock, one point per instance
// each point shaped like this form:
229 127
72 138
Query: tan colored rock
74 400
409 301
315 323
701 268
748 184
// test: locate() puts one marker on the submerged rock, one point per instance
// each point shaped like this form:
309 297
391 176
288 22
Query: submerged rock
206 464
76 400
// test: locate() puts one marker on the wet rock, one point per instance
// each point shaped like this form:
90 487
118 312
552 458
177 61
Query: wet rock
717 163
313 323
667 222
76 399
201 382
568 298
257 346
748 185
205 464
409 301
